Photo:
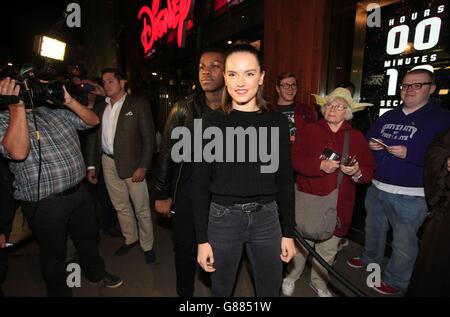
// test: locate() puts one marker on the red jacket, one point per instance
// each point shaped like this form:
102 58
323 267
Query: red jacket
306 153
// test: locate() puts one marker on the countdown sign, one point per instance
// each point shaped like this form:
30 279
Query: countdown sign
412 33
159 22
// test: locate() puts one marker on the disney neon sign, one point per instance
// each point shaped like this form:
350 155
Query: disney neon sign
157 23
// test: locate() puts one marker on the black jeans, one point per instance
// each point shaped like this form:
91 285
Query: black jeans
108 215
185 245
51 223
7 210
229 229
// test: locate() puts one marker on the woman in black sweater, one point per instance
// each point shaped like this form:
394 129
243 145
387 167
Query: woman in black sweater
244 183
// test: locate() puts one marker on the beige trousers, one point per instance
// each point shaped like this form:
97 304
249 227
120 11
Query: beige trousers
135 225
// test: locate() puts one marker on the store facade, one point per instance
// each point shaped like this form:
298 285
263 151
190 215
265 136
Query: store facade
324 42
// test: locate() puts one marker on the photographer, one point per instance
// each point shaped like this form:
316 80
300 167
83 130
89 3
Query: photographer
48 167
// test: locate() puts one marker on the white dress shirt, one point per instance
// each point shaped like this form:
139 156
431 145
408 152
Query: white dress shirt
109 124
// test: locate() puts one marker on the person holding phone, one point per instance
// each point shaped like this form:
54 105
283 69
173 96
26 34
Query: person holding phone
317 158
396 197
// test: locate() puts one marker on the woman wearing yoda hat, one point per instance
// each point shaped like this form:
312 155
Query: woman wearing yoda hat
323 165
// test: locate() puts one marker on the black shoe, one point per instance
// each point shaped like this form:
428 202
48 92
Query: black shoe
109 281
125 249
150 256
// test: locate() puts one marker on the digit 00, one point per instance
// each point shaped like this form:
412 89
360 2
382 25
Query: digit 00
402 32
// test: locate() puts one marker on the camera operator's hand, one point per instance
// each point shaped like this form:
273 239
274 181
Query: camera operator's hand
67 97
8 87
16 141
85 114
91 176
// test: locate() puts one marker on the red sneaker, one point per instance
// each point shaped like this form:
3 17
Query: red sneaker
355 263
386 289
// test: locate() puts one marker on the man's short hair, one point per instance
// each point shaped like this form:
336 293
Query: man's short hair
116 72
285 75
217 50
423 71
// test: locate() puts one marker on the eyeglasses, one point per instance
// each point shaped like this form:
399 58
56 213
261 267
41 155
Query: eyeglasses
339 107
415 86
288 86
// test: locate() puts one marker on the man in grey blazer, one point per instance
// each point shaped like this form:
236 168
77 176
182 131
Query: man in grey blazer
124 145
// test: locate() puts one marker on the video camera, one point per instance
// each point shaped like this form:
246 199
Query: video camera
41 88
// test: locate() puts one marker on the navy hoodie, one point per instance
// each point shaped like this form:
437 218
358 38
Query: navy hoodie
415 131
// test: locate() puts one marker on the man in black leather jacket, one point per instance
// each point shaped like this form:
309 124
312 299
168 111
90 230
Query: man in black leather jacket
173 186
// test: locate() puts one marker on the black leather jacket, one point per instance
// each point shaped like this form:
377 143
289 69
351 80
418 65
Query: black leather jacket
170 175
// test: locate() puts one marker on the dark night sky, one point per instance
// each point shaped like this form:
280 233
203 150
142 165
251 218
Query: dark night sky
20 21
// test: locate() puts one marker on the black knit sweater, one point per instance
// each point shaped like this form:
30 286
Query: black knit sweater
228 183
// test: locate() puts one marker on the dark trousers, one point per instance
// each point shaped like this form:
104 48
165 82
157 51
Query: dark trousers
54 218
229 229
108 213
185 245
3 268
7 210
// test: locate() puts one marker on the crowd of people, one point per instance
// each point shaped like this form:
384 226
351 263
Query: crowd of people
219 206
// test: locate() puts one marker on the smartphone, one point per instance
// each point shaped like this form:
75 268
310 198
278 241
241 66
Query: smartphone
379 142
329 154
349 160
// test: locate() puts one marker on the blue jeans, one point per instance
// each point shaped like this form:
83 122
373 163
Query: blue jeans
229 229
405 214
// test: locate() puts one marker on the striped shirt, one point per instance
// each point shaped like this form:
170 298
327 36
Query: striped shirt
62 162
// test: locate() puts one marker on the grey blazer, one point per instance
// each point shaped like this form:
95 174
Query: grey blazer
134 142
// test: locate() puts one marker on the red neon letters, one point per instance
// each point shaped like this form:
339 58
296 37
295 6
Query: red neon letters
159 23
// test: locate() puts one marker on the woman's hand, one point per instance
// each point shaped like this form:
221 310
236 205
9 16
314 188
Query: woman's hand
351 170
288 250
328 166
205 257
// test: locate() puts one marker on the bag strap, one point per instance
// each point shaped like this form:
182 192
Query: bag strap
344 154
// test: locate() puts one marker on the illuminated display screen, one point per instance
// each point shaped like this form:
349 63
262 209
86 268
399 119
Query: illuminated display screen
412 33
